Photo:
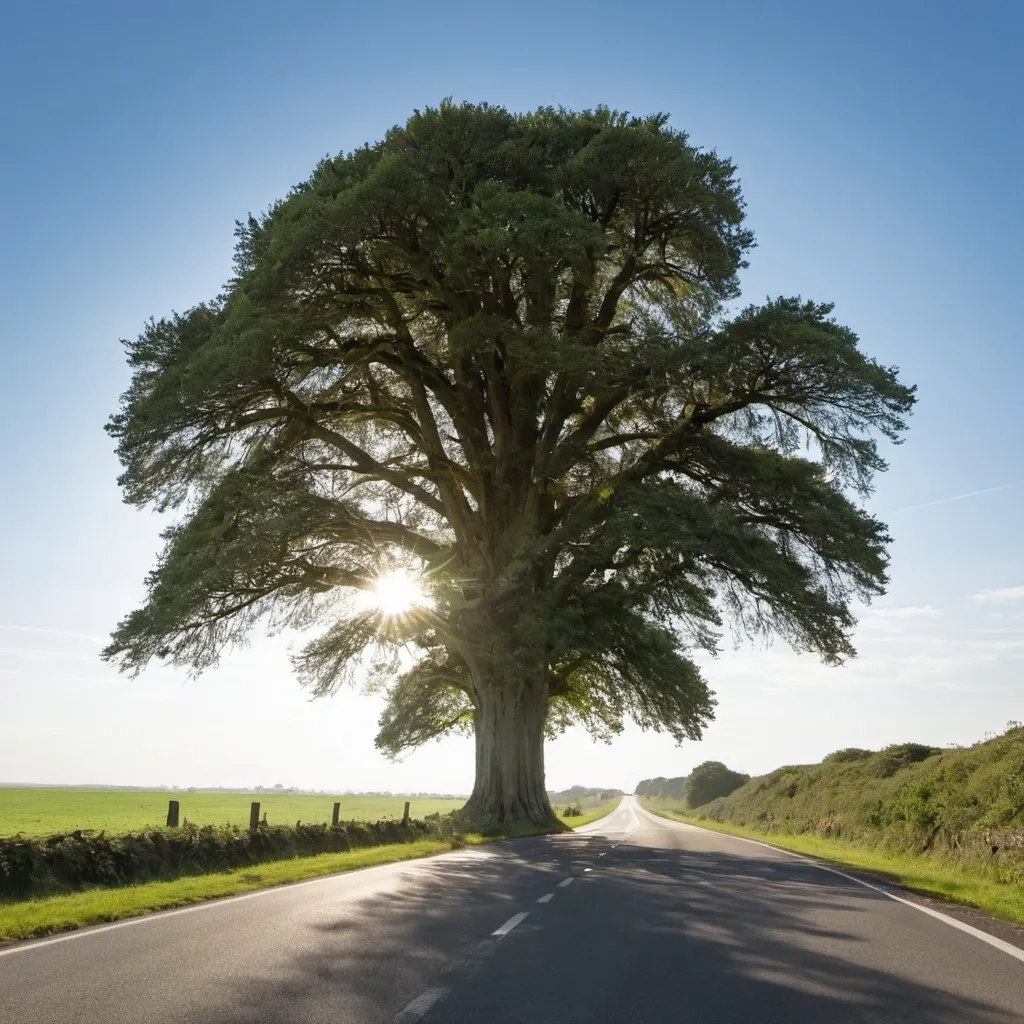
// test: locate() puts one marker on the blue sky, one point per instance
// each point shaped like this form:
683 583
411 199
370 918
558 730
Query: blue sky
880 153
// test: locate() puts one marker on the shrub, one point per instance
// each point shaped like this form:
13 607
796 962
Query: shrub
900 755
964 805
847 754
81 859
709 781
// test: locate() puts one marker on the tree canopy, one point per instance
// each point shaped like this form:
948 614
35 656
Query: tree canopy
710 780
499 351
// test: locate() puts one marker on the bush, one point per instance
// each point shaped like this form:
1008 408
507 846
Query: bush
900 755
709 781
79 860
582 796
572 811
662 788
847 754
965 806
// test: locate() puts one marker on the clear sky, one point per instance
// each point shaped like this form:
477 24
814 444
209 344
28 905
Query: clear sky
880 149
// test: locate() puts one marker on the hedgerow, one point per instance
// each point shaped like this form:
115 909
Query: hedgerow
70 861
962 805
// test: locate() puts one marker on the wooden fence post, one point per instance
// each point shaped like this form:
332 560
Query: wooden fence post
254 816
172 813
335 814
405 816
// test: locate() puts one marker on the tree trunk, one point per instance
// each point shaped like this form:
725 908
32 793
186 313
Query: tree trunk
509 726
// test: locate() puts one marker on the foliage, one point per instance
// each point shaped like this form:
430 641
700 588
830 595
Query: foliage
894 758
961 805
662 788
584 797
78 860
43 916
711 780
847 754
496 347
596 812
974 882
26 919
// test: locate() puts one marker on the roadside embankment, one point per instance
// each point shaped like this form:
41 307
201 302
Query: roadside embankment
947 822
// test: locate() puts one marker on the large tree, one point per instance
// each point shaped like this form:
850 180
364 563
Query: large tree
495 351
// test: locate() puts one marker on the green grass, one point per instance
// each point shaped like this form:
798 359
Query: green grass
34 918
37 812
598 812
921 874
948 822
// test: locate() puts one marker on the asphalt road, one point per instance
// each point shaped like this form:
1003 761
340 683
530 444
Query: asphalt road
634 919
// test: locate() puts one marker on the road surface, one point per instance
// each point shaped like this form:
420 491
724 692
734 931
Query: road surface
632 919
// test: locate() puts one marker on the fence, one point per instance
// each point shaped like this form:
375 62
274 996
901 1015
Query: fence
174 814
70 861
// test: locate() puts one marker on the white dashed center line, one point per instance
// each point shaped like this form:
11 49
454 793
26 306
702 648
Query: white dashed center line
419 1006
564 882
547 899
510 924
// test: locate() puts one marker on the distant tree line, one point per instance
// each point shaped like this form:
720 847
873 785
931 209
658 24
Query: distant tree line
705 783
583 794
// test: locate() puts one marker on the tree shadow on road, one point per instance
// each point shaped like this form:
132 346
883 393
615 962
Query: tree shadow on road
647 935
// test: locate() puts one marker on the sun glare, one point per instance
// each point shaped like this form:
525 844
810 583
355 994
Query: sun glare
396 592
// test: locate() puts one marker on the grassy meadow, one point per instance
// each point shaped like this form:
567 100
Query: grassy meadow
43 811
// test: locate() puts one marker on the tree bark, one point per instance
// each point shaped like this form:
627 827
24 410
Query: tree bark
509 719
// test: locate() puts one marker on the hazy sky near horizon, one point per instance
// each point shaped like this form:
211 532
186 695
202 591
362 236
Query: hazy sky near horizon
880 153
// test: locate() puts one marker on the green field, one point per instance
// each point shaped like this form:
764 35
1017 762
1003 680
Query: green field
38 812
27 919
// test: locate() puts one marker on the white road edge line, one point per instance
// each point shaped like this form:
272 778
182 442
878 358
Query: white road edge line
564 882
547 898
419 1006
992 940
1006 947
510 924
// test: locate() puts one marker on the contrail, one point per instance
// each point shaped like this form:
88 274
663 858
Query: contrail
955 497
53 632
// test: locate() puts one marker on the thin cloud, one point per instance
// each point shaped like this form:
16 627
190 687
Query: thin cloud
910 611
999 595
897 620
955 497
53 632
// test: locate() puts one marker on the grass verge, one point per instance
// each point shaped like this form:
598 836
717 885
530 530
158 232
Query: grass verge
598 812
927 876
35 918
